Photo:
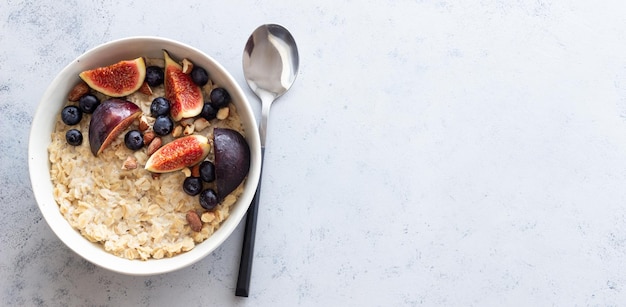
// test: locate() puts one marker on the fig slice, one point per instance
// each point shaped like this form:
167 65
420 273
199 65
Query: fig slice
232 160
120 79
184 95
109 119
178 154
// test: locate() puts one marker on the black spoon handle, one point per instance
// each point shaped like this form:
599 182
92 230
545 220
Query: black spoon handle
247 250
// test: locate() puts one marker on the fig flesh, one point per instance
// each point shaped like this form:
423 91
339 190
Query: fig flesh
184 95
178 154
120 79
109 119
232 160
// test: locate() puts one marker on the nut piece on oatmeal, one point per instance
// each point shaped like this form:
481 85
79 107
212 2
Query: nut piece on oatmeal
178 131
143 123
154 145
223 113
194 221
78 91
195 170
130 163
148 137
187 66
187 121
186 171
145 89
188 130
201 123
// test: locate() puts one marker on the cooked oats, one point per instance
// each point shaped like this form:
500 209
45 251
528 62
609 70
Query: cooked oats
127 211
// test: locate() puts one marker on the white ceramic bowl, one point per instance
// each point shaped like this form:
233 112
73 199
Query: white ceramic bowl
43 123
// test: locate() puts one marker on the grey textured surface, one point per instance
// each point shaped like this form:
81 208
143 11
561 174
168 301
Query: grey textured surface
430 153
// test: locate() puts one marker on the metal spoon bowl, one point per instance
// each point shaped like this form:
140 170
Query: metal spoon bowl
270 66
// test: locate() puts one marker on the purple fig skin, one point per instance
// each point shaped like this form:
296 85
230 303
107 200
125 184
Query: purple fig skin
110 118
232 160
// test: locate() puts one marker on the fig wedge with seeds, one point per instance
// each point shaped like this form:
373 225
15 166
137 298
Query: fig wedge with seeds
120 79
178 154
184 95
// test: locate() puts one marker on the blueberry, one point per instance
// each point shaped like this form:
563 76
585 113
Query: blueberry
159 106
199 76
208 199
163 125
71 115
219 98
74 137
208 111
154 75
207 171
192 186
88 103
133 140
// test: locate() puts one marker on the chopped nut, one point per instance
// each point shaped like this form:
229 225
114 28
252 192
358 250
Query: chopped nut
223 113
187 122
201 123
148 136
129 163
156 175
78 91
187 66
195 170
194 221
143 123
186 171
145 89
154 145
178 131
188 130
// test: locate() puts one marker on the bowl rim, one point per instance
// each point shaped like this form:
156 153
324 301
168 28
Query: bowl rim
42 185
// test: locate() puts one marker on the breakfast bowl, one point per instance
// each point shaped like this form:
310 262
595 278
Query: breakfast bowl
149 248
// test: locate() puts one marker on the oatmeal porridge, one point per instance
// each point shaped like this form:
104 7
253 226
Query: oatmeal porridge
112 200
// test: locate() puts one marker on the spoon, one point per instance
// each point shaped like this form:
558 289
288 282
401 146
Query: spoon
270 66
